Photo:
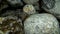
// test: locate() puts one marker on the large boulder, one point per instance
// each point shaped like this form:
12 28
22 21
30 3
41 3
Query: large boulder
41 24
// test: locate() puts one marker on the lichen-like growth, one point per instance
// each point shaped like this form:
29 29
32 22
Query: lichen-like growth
11 25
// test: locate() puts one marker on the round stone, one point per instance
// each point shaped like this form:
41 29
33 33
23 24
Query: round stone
30 1
41 24
29 9
15 2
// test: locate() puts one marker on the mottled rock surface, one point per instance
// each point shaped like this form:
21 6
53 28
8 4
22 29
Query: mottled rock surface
48 4
55 8
11 25
29 9
41 24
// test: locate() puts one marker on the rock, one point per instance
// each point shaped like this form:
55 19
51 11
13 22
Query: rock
59 30
15 2
48 4
41 24
17 13
3 7
0 1
29 9
11 24
36 5
1 32
55 10
30 1
57 0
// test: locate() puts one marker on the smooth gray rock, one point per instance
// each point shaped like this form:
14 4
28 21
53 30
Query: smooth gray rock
41 24
30 1
57 0
15 2
55 10
59 30
0 1
36 5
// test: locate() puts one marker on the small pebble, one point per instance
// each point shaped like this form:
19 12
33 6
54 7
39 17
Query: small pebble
29 9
